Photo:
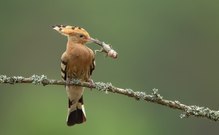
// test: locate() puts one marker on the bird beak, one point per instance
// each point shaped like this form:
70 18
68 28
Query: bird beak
92 40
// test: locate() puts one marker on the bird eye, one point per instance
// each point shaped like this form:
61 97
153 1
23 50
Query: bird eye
81 36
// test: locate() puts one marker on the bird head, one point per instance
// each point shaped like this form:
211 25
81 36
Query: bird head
74 33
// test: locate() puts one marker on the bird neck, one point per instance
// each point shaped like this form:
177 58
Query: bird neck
72 44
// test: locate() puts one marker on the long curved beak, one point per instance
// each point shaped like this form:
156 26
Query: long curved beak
96 41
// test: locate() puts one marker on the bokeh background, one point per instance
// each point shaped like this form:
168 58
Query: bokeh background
170 45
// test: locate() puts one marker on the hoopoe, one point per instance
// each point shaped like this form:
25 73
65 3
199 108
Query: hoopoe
77 62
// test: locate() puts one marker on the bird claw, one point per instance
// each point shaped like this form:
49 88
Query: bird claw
91 83
68 82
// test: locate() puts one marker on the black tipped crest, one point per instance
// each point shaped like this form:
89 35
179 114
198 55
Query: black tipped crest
68 30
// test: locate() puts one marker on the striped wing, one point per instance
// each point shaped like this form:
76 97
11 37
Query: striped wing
92 67
93 64
63 69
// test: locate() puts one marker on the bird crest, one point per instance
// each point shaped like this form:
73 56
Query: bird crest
68 30
75 34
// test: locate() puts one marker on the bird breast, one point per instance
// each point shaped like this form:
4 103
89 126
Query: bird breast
79 63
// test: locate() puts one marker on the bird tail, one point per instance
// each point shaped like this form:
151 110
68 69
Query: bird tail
76 112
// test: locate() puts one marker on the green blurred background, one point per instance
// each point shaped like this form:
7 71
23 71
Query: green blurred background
171 45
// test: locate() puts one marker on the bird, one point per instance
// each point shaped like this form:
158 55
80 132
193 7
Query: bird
77 62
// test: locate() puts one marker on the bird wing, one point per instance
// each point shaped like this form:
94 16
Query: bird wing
64 67
93 64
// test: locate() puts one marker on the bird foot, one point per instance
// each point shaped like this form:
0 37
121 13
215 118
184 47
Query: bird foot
68 82
91 83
